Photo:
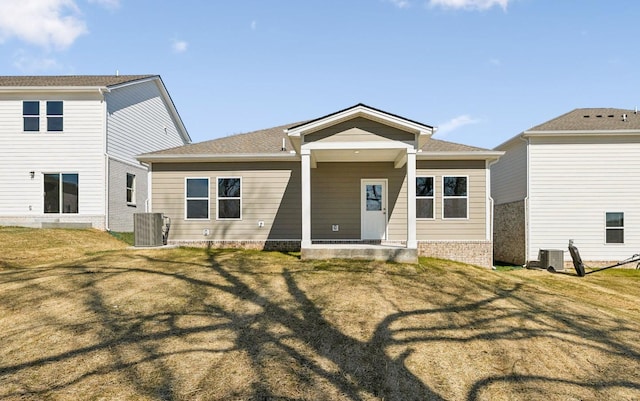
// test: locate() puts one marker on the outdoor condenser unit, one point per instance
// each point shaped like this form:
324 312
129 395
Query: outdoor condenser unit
552 258
147 229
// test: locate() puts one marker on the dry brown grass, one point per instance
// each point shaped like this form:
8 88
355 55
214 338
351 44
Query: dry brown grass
113 323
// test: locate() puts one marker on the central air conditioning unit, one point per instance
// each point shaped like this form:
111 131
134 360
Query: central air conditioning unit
551 258
148 229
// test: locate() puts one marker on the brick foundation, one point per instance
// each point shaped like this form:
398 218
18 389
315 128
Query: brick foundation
273 245
479 253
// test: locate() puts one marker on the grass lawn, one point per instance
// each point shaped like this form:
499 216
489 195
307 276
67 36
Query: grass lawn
82 316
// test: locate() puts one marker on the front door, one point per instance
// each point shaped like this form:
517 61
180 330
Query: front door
374 209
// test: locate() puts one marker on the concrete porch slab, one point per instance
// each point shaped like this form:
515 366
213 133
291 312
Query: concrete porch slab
385 253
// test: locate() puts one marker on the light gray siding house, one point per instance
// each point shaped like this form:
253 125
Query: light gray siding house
357 177
68 146
573 177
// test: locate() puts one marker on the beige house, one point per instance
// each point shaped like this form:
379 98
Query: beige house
359 182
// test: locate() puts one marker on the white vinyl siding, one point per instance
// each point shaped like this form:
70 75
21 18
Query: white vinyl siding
138 121
79 149
509 174
574 182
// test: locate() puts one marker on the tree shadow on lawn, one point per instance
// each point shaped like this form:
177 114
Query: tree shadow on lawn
288 338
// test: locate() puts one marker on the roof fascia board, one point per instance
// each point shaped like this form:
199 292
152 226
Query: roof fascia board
509 141
219 158
33 89
582 132
133 82
488 155
359 111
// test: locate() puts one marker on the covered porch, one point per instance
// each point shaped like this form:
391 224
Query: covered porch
358 174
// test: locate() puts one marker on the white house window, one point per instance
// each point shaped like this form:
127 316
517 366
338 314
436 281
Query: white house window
614 228
131 188
31 116
54 116
60 193
197 198
455 198
425 197
229 198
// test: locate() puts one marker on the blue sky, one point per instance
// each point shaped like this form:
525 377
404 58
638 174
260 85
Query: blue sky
480 70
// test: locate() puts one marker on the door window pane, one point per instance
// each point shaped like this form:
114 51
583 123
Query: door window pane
374 197
52 193
54 197
69 193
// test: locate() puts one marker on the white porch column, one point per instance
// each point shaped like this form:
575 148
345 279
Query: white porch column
412 242
306 197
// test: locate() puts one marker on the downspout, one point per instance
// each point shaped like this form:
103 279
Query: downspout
490 206
527 227
106 157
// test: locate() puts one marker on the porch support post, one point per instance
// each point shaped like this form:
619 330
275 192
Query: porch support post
306 197
412 242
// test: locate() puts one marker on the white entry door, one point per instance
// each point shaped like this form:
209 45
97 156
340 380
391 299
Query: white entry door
374 209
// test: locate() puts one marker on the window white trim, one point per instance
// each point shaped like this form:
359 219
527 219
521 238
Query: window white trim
445 197
208 199
31 116
607 228
130 189
432 197
51 116
218 198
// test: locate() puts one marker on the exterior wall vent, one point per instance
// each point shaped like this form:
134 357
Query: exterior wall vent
147 229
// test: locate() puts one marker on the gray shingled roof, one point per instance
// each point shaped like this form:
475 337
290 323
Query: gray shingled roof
69 80
592 119
269 141
438 145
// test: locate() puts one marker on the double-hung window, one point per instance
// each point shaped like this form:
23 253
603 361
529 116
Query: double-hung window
425 197
614 228
31 116
197 198
229 198
60 193
455 198
131 188
54 116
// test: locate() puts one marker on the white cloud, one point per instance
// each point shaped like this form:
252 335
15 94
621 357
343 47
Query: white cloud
29 64
179 46
45 23
254 25
455 123
400 3
470 4
110 4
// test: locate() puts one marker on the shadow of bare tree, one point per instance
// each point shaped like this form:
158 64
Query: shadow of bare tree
253 326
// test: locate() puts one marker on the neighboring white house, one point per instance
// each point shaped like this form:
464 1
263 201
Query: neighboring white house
574 177
68 146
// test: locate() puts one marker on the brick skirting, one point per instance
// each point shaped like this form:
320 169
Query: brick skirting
479 253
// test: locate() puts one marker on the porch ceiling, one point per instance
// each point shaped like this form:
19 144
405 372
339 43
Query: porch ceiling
356 155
